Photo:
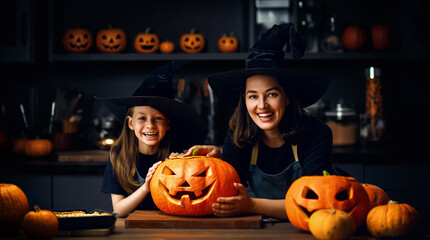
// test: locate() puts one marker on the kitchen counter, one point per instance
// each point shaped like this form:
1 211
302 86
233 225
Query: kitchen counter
280 230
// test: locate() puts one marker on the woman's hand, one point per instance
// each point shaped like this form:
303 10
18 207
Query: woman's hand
230 206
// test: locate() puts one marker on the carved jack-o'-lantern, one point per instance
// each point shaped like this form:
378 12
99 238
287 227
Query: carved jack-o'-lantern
190 185
192 42
146 42
77 40
227 44
311 193
111 40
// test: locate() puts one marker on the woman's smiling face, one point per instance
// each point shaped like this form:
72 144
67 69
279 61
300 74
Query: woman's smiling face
149 126
265 101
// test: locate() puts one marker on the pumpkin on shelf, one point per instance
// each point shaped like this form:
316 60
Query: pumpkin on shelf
77 40
392 220
353 38
40 224
189 186
192 42
227 43
13 208
167 46
381 37
38 147
311 193
331 224
146 42
111 40
18 145
377 196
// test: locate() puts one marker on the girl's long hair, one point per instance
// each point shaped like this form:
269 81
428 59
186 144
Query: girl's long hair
125 151
245 131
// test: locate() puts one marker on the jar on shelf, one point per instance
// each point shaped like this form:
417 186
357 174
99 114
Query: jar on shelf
342 120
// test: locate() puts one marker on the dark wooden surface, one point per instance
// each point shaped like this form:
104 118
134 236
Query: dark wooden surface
158 219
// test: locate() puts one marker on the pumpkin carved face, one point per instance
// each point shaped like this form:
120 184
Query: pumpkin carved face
227 44
192 42
146 42
112 40
189 186
77 40
311 193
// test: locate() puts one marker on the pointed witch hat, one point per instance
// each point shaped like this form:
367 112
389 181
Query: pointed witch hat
187 127
266 57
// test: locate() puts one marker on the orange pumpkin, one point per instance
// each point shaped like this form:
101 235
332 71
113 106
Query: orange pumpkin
167 47
146 42
13 207
40 224
38 147
77 40
227 44
392 220
377 196
18 145
353 38
331 224
381 37
189 186
111 40
311 193
192 42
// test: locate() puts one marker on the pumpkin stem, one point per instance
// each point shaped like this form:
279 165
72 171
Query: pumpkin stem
392 202
110 26
195 152
231 34
37 208
326 173
193 30
147 30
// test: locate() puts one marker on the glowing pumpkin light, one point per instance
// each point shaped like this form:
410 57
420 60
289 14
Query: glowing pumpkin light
192 42
311 193
189 186
111 40
146 42
77 40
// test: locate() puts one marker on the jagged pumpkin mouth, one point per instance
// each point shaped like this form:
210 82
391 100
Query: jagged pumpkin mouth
181 196
114 47
78 46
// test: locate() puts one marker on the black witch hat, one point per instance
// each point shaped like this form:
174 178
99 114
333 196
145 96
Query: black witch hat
187 128
266 57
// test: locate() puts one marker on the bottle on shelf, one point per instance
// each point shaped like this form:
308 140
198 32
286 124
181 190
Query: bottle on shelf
331 41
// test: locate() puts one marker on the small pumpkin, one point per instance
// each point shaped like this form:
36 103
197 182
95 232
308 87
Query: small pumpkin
111 40
311 193
189 186
167 47
228 43
331 224
13 207
353 38
377 196
18 145
38 147
391 220
77 40
192 42
381 37
40 224
146 42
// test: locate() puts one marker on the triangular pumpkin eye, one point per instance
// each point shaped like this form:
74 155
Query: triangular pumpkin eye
309 193
167 171
204 173
343 195
85 35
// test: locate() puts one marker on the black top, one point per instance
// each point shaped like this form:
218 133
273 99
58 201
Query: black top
314 149
111 184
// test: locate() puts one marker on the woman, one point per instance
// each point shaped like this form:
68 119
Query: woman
271 140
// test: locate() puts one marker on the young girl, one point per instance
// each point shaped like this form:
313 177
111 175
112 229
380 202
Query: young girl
154 125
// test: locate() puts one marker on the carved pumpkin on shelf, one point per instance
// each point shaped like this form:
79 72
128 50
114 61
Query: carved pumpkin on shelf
377 196
14 206
331 224
40 224
167 46
311 193
77 40
228 43
111 40
38 147
192 42
146 42
189 186
392 220
353 38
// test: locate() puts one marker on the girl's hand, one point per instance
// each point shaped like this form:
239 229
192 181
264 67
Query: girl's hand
230 206
204 150
150 173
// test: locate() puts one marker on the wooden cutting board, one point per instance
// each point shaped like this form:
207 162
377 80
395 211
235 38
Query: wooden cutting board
83 156
158 219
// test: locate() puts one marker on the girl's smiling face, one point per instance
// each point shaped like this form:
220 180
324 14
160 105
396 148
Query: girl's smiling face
265 101
149 126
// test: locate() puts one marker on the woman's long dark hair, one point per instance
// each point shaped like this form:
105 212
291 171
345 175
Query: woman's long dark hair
245 131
